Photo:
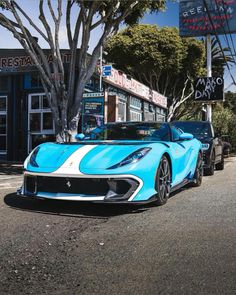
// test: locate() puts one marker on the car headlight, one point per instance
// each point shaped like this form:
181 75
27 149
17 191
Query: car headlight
32 160
205 146
132 158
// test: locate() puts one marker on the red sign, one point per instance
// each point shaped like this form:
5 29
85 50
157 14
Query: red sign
125 82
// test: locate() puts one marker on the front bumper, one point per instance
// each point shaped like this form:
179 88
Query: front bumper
94 188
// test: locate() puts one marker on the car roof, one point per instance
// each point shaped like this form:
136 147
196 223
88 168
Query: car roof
136 122
194 122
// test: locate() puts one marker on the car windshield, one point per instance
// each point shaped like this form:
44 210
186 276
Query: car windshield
198 129
131 131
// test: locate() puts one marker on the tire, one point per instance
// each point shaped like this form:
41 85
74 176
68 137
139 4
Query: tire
198 172
221 165
163 180
211 170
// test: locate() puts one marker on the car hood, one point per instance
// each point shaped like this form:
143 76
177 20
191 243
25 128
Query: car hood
86 156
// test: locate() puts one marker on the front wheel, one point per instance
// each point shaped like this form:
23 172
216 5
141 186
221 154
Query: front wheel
163 181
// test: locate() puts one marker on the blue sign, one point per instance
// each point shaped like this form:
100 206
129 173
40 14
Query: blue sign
194 17
106 70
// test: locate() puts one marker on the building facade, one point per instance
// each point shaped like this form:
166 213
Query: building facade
25 116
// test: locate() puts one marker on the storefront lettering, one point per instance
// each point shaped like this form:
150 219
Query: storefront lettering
120 79
26 61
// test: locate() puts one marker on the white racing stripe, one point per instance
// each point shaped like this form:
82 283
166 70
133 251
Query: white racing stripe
71 165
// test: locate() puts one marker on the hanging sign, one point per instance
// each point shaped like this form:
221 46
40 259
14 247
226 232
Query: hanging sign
194 18
208 89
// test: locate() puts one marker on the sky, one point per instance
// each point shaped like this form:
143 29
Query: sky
170 17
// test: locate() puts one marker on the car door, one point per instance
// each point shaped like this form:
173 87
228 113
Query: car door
181 152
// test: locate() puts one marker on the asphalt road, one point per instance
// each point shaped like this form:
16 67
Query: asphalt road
187 246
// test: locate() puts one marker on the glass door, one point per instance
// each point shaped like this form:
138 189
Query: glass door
40 121
3 125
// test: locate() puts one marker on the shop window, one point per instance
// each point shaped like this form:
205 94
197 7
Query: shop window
135 103
115 91
3 124
135 116
146 106
122 111
32 81
41 125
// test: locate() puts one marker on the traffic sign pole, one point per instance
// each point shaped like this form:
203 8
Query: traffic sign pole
100 78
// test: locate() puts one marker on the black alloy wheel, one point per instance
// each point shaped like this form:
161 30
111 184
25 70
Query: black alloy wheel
163 180
198 172
211 170
221 165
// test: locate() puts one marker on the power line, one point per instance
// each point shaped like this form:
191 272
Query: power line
231 38
218 40
225 34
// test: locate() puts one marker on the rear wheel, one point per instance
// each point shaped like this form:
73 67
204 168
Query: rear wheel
198 172
211 170
221 165
163 181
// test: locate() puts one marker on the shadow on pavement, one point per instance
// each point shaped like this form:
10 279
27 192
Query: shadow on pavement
10 169
72 209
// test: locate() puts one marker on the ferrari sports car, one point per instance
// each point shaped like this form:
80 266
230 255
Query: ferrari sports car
131 162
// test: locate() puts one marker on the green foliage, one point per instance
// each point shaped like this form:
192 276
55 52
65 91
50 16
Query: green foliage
219 59
158 57
147 49
132 17
221 118
230 101
224 121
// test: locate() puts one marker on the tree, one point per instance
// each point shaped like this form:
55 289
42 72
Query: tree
219 59
65 94
230 101
161 59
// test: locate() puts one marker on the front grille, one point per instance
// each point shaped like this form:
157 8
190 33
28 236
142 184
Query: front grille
82 186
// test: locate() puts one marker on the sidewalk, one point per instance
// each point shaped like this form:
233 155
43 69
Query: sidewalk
10 168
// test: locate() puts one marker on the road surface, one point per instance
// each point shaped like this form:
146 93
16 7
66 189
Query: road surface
187 246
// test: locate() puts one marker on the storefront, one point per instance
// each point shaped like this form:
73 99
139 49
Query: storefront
25 116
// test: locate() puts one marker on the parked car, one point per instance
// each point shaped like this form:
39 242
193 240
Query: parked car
226 145
212 144
132 162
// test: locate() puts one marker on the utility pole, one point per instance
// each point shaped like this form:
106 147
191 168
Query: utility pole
100 78
209 74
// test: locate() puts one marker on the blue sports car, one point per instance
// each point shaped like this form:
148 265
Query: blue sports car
132 162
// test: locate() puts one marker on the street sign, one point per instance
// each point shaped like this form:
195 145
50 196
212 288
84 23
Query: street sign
208 89
106 70
93 94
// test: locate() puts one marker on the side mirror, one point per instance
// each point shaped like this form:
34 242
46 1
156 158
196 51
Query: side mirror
79 136
186 136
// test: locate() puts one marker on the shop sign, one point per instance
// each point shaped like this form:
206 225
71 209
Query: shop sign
24 63
209 89
93 113
125 82
93 94
194 18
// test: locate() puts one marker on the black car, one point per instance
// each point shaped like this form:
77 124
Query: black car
212 145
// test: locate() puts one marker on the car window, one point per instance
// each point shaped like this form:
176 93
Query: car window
198 129
175 133
131 131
